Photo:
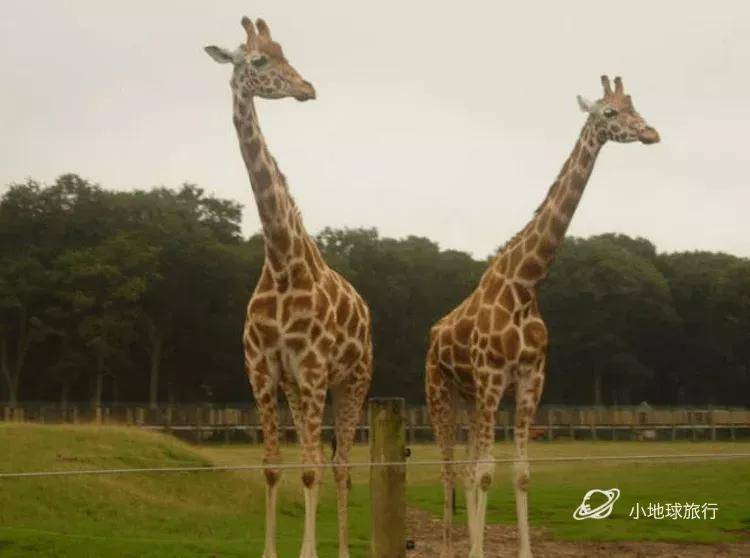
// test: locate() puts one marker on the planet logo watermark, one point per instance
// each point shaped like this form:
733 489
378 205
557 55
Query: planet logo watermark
601 511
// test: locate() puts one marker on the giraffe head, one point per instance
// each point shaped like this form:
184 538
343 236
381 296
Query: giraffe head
614 117
260 68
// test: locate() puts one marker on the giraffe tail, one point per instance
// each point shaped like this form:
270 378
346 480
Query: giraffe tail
334 445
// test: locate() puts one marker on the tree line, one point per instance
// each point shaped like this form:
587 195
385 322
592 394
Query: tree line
110 296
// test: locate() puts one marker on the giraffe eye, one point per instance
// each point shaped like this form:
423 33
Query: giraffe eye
259 62
609 112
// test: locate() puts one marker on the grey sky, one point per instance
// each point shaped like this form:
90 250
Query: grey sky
447 122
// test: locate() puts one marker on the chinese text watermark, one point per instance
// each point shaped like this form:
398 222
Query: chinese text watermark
675 510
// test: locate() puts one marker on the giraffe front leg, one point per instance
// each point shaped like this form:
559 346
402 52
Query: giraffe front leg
265 391
311 492
312 400
521 479
470 497
470 476
484 437
272 490
348 401
342 479
527 398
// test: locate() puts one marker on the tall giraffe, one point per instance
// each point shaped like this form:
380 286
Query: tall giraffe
307 330
496 338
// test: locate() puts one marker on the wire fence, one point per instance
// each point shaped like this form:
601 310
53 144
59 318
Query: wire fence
355 465
174 541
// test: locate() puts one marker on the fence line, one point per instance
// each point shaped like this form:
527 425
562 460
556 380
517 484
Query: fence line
222 414
200 422
367 464
176 540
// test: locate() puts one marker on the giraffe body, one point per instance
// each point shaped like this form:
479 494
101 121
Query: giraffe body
307 331
495 341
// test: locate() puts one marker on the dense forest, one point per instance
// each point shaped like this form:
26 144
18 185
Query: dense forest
110 296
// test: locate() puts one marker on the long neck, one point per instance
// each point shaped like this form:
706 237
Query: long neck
283 231
528 256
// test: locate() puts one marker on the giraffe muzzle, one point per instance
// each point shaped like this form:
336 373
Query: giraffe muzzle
306 92
649 135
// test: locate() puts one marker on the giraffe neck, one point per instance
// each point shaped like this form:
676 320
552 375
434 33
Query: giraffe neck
528 256
283 230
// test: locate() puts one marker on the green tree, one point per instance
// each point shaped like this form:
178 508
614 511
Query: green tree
695 350
190 230
94 282
731 316
102 287
604 305
24 291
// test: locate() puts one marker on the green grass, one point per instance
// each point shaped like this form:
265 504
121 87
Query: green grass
221 514
182 514
556 489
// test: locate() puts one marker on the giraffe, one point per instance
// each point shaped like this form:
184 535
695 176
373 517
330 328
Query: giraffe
496 339
307 331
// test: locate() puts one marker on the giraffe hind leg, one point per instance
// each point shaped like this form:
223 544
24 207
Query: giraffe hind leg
441 403
348 401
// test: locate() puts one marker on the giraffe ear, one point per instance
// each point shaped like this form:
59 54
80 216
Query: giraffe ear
220 55
584 104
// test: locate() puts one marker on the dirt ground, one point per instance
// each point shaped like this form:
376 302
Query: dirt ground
500 542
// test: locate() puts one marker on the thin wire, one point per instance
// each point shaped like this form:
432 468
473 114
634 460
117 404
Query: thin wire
286 466
176 540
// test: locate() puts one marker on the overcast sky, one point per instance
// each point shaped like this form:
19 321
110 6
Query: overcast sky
446 122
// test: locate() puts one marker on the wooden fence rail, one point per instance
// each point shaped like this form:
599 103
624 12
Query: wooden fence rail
202 422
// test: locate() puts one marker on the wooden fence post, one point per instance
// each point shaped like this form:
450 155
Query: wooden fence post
387 484
198 422
412 425
169 419
366 429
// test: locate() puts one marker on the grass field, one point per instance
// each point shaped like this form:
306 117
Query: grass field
221 514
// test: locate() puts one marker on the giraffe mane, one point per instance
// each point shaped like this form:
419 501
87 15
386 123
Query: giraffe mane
536 213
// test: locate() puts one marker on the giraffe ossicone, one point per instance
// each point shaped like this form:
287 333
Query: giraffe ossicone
496 341
307 330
